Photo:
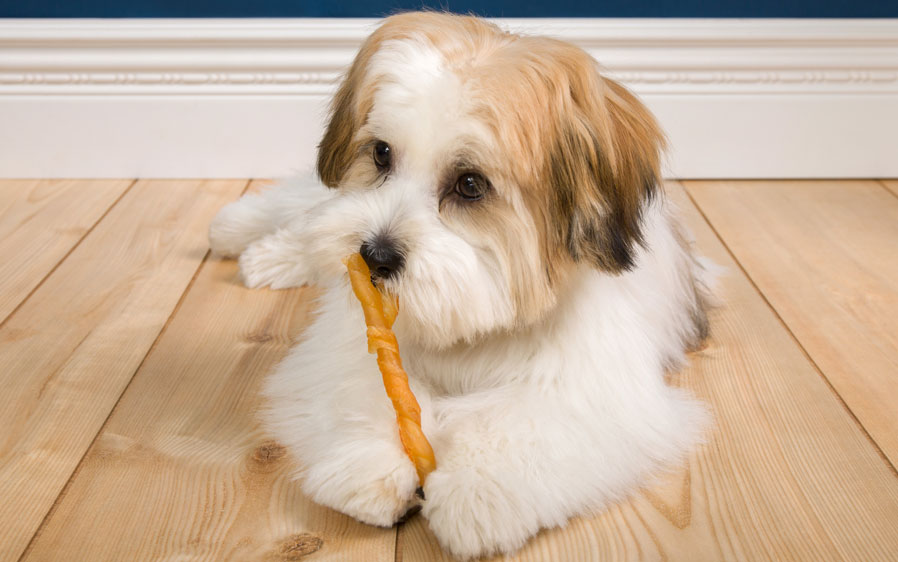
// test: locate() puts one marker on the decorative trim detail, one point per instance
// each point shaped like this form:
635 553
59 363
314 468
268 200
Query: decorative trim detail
248 98
306 57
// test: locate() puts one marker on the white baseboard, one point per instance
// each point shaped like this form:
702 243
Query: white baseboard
246 98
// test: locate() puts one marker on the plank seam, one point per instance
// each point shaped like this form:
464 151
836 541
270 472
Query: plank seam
112 410
883 185
782 321
67 254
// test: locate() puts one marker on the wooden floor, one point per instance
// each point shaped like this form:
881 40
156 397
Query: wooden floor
130 361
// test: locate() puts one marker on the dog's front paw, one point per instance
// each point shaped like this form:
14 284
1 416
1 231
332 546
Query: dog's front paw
473 514
235 227
369 492
266 263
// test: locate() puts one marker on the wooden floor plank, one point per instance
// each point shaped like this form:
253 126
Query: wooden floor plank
891 185
786 474
40 222
180 471
825 255
68 352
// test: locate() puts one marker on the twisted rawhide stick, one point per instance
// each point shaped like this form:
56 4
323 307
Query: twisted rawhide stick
380 313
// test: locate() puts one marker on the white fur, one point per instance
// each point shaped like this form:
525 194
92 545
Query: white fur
530 425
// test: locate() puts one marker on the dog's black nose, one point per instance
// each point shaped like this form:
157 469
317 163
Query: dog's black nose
383 257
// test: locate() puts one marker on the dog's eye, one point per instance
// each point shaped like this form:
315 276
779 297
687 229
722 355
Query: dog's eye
471 186
383 156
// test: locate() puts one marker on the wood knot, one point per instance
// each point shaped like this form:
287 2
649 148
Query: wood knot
259 337
299 545
269 452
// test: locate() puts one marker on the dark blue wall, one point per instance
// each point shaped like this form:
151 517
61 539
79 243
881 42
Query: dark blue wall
493 8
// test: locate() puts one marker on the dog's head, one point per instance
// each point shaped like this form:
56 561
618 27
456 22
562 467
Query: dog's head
478 168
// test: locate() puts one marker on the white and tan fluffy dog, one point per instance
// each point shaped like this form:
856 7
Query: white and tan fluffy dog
510 196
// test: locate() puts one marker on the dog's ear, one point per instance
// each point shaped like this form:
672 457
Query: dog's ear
335 150
604 167
348 112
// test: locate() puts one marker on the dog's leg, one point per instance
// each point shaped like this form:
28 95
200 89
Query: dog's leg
257 215
326 404
493 487
511 464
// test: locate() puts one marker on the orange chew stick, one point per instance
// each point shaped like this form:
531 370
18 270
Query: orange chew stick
380 313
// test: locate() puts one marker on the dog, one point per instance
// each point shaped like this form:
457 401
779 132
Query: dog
510 196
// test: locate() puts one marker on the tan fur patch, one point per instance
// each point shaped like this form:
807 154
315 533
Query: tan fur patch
355 96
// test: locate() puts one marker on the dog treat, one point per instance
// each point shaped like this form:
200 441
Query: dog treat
380 313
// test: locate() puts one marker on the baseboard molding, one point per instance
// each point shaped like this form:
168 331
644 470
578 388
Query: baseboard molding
246 98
